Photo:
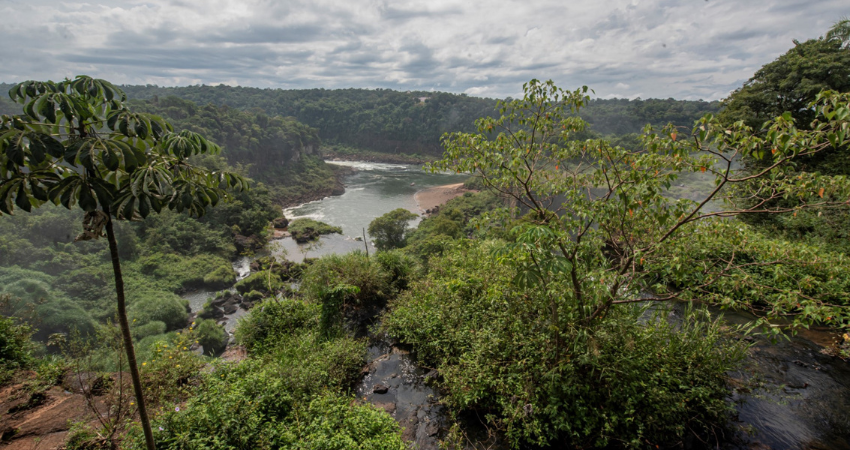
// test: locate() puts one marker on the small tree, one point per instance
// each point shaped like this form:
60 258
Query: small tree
78 145
389 230
601 218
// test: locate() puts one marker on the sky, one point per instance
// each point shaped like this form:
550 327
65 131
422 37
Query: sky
684 49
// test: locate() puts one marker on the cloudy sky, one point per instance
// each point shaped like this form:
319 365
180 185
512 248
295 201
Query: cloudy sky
686 49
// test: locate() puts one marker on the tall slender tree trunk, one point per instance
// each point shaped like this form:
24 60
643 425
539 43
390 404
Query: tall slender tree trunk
125 332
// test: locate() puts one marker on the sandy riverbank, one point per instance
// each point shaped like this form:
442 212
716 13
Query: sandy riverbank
429 198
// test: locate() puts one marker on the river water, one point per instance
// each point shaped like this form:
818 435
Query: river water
373 190
804 405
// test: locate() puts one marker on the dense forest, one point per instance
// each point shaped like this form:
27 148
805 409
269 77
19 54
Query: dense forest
569 300
413 122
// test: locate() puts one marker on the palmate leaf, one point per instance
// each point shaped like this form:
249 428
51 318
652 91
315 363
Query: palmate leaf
186 143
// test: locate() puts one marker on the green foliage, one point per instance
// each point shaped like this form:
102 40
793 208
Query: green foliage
170 368
153 306
304 230
401 267
262 281
261 329
151 328
284 396
596 244
15 347
790 83
372 281
776 279
453 218
397 123
389 230
634 380
211 336
173 272
221 418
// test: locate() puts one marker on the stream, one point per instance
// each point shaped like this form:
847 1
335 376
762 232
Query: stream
804 403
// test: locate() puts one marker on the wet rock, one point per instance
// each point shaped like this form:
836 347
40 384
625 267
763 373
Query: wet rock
230 307
389 407
211 312
280 222
380 388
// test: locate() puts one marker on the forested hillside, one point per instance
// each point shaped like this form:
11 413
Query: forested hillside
413 122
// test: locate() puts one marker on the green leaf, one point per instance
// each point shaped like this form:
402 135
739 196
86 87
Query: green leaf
21 198
87 200
15 152
46 144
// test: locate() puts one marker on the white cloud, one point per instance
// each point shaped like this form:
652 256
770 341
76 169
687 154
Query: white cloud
651 48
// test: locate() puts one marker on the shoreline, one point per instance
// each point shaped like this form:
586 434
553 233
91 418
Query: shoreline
428 199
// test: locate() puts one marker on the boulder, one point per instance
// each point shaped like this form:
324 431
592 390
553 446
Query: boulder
280 222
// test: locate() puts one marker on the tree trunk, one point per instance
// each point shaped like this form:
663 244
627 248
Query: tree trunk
125 332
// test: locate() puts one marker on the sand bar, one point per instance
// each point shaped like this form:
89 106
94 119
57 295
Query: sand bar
429 198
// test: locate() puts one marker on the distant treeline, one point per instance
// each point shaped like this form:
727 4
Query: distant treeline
412 122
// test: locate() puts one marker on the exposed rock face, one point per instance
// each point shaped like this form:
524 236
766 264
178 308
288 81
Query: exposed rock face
40 420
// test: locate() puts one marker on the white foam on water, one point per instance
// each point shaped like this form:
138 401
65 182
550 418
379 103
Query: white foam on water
362 165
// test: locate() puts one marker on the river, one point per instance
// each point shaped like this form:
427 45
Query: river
371 191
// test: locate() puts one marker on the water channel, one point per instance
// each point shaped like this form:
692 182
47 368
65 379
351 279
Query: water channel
804 405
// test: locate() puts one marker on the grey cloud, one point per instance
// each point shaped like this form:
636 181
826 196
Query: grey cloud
394 13
464 45
269 34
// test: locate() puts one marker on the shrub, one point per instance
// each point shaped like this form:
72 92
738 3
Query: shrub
784 278
15 347
63 316
211 336
269 321
221 277
399 265
389 230
353 269
283 395
158 306
259 281
245 406
151 328
629 381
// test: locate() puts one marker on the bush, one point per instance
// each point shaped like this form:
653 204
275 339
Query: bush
353 269
259 281
211 336
389 230
401 267
153 306
152 328
629 381
63 316
221 277
785 278
283 395
268 322
246 406
15 347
